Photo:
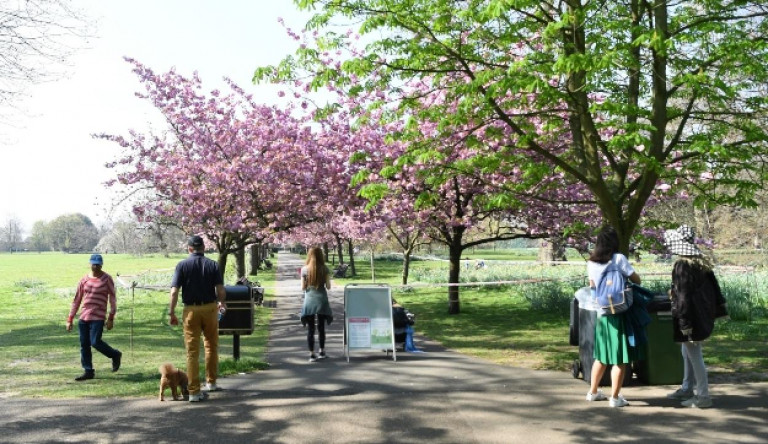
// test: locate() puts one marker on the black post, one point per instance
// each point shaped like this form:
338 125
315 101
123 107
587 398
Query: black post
236 346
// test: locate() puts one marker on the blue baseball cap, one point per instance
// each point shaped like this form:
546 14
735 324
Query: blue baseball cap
96 259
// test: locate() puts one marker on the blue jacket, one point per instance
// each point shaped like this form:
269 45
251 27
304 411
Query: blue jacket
637 317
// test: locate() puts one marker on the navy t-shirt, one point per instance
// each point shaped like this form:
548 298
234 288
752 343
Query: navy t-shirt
197 277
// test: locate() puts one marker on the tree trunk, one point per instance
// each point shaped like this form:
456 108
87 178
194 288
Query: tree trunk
240 262
545 250
222 262
255 251
552 249
339 249
454 252
351 253
406 264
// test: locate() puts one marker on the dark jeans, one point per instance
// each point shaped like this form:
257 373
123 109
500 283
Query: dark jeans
321 321
90 336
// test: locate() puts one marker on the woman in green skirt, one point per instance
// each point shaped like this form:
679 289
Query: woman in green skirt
611 345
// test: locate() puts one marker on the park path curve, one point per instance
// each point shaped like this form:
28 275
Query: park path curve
436 396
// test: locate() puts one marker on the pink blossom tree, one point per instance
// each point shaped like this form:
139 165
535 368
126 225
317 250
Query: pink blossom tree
230 168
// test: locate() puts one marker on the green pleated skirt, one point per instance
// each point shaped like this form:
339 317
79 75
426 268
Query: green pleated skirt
611 344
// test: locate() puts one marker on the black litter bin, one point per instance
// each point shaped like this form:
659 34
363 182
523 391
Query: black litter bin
238 320
582 333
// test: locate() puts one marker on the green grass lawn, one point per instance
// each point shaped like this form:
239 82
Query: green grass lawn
40 358
516 325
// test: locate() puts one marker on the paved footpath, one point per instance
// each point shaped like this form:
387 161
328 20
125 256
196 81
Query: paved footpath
437 396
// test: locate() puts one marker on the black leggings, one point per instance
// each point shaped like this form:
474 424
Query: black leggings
321 319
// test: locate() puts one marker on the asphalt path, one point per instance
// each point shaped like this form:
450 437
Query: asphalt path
435 396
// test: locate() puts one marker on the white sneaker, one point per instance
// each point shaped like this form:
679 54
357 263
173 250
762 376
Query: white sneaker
698 402
198 397
597 396
211 387
618 401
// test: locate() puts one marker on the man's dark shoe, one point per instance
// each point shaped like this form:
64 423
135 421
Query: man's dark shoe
116 362
86 375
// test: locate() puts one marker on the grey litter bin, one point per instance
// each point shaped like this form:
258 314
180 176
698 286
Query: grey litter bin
582 333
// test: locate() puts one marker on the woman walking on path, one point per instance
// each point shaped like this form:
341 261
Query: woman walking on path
696 302
611 344
315 283
93 292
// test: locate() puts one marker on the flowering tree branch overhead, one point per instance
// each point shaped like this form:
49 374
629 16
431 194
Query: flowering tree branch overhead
230 168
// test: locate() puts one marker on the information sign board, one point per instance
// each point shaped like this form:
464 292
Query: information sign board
368 318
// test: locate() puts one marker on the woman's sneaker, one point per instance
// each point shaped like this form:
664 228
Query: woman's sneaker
322 355
618 401
597 396
699 402
312 358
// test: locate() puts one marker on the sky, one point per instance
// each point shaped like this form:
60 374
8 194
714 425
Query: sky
52 164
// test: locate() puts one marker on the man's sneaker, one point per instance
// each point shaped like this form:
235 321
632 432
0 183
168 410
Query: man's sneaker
322 355
211 387
116 362
699 402
618 401
198 397
597 396
86 375
312 358
680 394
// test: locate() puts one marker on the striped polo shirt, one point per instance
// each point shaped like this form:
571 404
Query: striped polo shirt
93 294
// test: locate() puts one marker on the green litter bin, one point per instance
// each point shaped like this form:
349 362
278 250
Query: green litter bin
663 364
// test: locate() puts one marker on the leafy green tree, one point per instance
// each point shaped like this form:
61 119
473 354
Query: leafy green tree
648 93
39 240
72 233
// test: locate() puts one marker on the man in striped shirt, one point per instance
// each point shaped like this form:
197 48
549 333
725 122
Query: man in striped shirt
93 292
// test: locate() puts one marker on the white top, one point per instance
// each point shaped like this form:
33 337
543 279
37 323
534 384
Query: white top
595 270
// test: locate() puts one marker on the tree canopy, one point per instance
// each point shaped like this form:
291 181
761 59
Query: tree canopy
627 98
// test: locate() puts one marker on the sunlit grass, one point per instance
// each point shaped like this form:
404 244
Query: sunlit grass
40 358
518 324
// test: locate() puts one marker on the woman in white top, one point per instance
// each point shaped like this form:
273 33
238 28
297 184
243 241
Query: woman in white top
611 345
315 283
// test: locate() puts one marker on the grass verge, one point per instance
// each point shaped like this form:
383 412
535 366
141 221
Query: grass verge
40 358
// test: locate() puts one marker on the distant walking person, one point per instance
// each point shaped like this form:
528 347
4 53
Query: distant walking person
611 344
202 286
94 291
315 283
696 302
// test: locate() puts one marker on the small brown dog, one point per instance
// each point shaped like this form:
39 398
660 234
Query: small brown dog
174 378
